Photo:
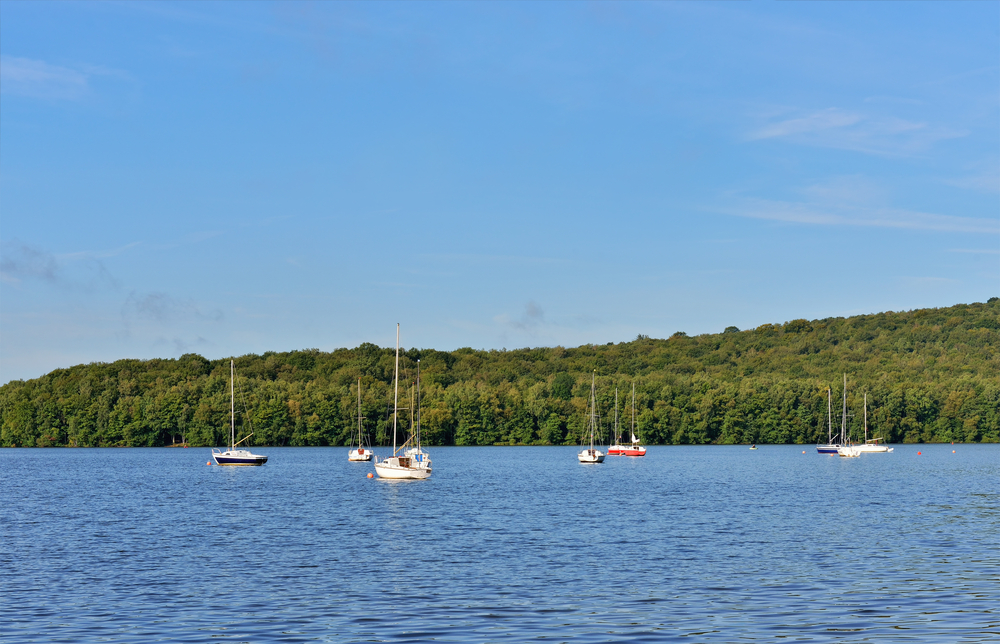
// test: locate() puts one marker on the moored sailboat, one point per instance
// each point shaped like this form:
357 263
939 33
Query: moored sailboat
847 448
363 452
414 463
830 447
635 448
233 456
592 454
872 445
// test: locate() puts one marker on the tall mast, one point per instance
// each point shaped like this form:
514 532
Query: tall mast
618 435
843 420
418 404
829 415
593 408
395 396
633 412
866 416
359 412
232 406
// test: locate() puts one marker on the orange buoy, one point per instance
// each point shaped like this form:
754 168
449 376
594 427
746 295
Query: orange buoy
803 451
918 453
208 463
952 451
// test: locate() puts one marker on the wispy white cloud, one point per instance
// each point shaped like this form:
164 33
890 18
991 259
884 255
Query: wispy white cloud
847 130
848 215
981 177
493 259
815 122
39 79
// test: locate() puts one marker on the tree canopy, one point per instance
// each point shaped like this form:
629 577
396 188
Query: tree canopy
929 374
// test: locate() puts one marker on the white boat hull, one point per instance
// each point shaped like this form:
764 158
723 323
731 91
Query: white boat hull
590 456
359 454
850 451
400 467
873 447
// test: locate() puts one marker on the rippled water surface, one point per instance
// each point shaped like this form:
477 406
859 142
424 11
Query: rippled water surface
699 544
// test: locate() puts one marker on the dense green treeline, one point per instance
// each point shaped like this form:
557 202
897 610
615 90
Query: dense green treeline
930 375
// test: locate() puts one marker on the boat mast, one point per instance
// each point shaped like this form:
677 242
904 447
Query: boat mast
359 412
843 420
829 415
418 404
866 417
232 406
593 408
618 434
395 396
633 413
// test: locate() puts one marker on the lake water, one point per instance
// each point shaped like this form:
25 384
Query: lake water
502 544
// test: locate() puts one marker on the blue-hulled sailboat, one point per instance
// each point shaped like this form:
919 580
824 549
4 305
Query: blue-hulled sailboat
233 456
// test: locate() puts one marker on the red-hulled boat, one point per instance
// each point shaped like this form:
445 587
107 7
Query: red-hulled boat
635 448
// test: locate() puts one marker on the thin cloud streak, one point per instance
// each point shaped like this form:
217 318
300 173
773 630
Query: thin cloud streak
504 259
885 136
39 79
826 215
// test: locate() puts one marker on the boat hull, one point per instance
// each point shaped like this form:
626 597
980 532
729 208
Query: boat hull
403 468
359 454
225 458
590 456
626 450
873 447
850 451
827 449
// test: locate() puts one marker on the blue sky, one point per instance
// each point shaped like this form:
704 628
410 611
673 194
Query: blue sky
227 178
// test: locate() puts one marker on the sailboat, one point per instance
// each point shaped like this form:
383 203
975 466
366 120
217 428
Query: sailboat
830 447
234 456
592 455
414 463
635 448
360 453
846 447
872 445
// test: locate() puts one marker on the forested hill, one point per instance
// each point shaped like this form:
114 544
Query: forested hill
930 375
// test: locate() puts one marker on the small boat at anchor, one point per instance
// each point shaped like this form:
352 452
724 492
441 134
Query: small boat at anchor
363 452
847 448
872 445
413 462
592 454
830 447
636 448
233 456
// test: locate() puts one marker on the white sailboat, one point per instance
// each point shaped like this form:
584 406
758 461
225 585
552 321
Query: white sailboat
830 447
592 454
872 445
233 456
363 452
846 448
414 463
